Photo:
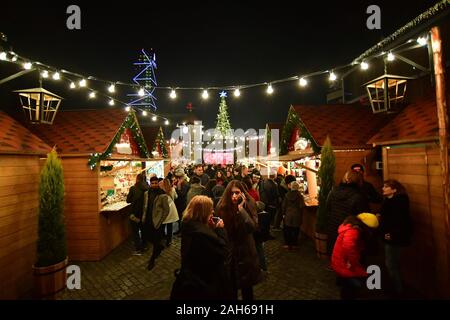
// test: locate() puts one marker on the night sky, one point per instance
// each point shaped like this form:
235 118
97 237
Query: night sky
199 45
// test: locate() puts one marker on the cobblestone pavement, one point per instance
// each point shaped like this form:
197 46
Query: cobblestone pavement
293 275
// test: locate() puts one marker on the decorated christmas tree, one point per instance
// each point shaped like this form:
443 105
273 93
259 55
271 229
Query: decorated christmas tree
223 120
160 145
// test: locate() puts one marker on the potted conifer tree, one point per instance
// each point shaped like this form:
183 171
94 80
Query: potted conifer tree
326 176
50 267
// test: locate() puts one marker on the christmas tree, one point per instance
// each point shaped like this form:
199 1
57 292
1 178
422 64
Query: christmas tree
160 145
223 120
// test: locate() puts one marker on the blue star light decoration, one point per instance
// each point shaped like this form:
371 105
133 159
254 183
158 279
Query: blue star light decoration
223 94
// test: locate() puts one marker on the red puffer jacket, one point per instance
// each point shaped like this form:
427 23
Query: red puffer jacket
347 252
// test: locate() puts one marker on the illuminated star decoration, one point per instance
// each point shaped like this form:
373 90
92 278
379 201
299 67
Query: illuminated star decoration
223 94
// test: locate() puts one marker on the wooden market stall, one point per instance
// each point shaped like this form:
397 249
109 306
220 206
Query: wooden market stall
102 151
22 155
349 127
410 145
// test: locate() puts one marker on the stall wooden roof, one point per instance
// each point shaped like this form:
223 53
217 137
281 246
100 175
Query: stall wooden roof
349 126
82 131
16 139
417 122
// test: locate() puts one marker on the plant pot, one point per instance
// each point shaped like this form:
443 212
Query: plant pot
50 280
321 240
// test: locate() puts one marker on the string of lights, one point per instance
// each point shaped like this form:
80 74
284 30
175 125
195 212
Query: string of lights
82 81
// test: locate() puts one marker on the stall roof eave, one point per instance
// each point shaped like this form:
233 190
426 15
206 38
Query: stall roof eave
290 157
405 141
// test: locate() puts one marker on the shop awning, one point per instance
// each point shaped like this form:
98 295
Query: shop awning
292 156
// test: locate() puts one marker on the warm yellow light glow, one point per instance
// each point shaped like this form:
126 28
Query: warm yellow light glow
390 56
269 89
237 93
205 94
112 88
173 94
302 82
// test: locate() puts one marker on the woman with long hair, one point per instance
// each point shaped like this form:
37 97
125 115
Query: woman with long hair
167 187
238 210
205 255
396 228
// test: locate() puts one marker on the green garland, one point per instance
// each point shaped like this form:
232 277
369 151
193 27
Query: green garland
439 7
131 123
293 121
162 145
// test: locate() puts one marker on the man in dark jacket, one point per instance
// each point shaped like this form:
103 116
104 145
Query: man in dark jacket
198 172
268 193
342 201
136 198
367 188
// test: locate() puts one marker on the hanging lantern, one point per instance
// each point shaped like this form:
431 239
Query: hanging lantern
39 105
386 92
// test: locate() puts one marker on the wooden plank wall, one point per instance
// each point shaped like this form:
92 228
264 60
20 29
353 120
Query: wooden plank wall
114 229
19 193
426 266
82 210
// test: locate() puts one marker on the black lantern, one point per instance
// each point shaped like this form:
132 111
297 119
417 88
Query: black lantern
39 105
386 92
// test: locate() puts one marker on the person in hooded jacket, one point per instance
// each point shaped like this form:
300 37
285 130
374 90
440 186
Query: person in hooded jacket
205 255
348 251
292 211
344 200
396 228
136 198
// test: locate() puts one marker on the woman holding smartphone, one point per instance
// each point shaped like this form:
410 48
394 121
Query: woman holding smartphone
205 255
238 211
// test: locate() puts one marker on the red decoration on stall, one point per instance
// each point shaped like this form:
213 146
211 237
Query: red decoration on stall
294 138
127 138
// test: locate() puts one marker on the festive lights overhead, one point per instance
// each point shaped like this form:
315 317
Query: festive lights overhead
422 41
111 102
205 94
141 92
112 88
390 56
44 74
173 94
144 113
237 93
364 65
92 95
3 56
127 108
56 76
72 85
154 118
27 65
302 82
332 76
269 89
166 122
82 83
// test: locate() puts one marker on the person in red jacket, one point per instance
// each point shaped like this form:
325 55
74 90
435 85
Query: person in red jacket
353 233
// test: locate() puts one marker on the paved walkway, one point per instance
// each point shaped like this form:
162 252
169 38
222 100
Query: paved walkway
293 275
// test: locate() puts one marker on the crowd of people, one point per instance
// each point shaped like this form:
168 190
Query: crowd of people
225 214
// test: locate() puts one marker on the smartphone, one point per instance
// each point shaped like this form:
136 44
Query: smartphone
240 200
216 219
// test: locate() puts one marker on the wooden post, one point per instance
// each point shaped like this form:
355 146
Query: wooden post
442 113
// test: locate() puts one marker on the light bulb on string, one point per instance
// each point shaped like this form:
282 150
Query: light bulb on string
422 41
112 88
56 76
3 56
72 85
154 118
82 83
127 109
92 95
269 89
173 94
144 113
27 65
390 56
205 94
237 93
332 76
302 82
364 65
111 102
166 122
14 58
141 92
44 74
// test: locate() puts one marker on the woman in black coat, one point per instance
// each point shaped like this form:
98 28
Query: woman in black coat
396 228
238 210
136 198
343 201
205 255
